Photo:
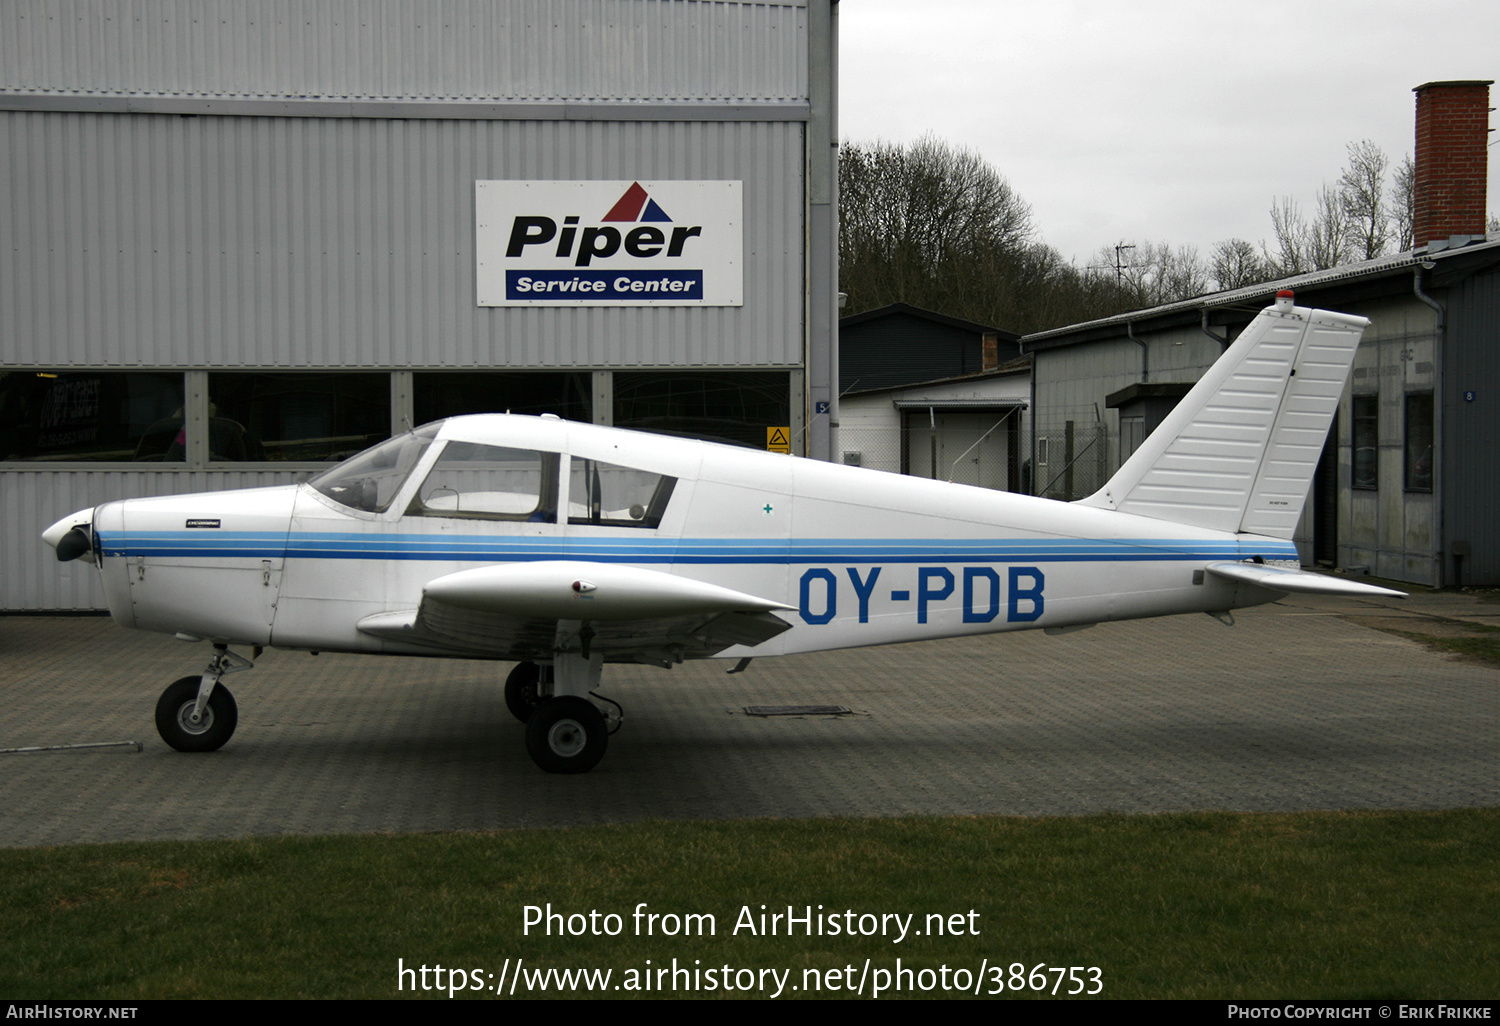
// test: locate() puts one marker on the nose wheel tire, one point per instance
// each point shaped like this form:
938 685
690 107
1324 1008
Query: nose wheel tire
523 690
174 717
566 735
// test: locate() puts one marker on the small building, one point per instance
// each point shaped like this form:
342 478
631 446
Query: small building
903 345
927 394
969 429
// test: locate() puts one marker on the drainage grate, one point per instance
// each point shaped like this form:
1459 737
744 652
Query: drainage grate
797 710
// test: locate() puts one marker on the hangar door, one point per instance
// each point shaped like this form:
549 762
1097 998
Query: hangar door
970 446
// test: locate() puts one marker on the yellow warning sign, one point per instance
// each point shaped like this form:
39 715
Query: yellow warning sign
779 439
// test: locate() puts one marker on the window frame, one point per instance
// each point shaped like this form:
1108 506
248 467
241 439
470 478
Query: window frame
118 394
1426 422
654 509
1368 438
548 498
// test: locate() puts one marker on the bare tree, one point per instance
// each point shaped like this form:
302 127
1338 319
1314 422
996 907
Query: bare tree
1403 203
1362 190
1356 219
1153 273
1184 275
1291 239
1235 264
1328 234
1303 245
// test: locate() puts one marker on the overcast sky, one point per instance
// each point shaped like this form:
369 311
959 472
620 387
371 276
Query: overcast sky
1167 120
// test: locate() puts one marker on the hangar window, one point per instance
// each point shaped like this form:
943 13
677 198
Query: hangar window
607 495
98 416
721 406
490 482
1366 416
285 417
437 394
1419 442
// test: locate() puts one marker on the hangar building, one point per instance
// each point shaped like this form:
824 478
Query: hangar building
1406 489
241 241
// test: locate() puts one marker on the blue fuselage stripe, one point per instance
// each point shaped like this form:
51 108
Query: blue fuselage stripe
274 545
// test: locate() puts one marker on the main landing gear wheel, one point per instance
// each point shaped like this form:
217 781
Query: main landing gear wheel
567 735
523 691
174 717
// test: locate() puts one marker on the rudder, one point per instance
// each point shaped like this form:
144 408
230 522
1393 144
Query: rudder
1239 452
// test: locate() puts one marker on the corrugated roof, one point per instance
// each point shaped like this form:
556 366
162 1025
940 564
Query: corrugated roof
1367 269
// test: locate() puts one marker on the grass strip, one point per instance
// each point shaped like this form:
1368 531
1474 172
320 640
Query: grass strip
1304 905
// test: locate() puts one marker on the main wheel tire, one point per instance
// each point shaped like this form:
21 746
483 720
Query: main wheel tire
523 692
174 712
567 735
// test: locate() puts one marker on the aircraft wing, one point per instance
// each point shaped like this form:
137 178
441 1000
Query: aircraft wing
628 614
1286 579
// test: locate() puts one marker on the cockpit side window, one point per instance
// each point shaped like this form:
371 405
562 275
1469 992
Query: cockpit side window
609 495
369 480
490 482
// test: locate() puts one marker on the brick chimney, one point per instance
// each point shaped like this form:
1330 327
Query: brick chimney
1451 161
991 357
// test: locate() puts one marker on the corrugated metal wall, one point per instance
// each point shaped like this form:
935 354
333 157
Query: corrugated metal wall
1469 474
32 501
442 49
226 240
1072 381
167 241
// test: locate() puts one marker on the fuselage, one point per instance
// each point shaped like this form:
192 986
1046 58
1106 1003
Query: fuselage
860 557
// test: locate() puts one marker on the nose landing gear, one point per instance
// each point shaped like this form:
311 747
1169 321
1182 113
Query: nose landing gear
198 714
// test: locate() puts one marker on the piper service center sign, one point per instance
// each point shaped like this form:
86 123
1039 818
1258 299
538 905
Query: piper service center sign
609 243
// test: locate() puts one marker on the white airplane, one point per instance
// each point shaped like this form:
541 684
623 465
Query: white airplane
564 546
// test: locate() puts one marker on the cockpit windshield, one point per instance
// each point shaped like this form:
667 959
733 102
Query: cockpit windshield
370 480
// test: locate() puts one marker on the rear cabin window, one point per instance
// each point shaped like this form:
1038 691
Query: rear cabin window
609 495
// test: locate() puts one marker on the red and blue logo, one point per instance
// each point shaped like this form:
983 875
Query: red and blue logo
655 240
635 205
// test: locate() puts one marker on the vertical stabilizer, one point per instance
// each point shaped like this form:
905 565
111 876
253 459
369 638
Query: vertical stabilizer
1239 452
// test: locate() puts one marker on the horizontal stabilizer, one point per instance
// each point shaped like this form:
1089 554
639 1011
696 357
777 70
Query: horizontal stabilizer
1239 452
1285 579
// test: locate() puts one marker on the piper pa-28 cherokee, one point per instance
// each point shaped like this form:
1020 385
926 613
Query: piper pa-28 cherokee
564 546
